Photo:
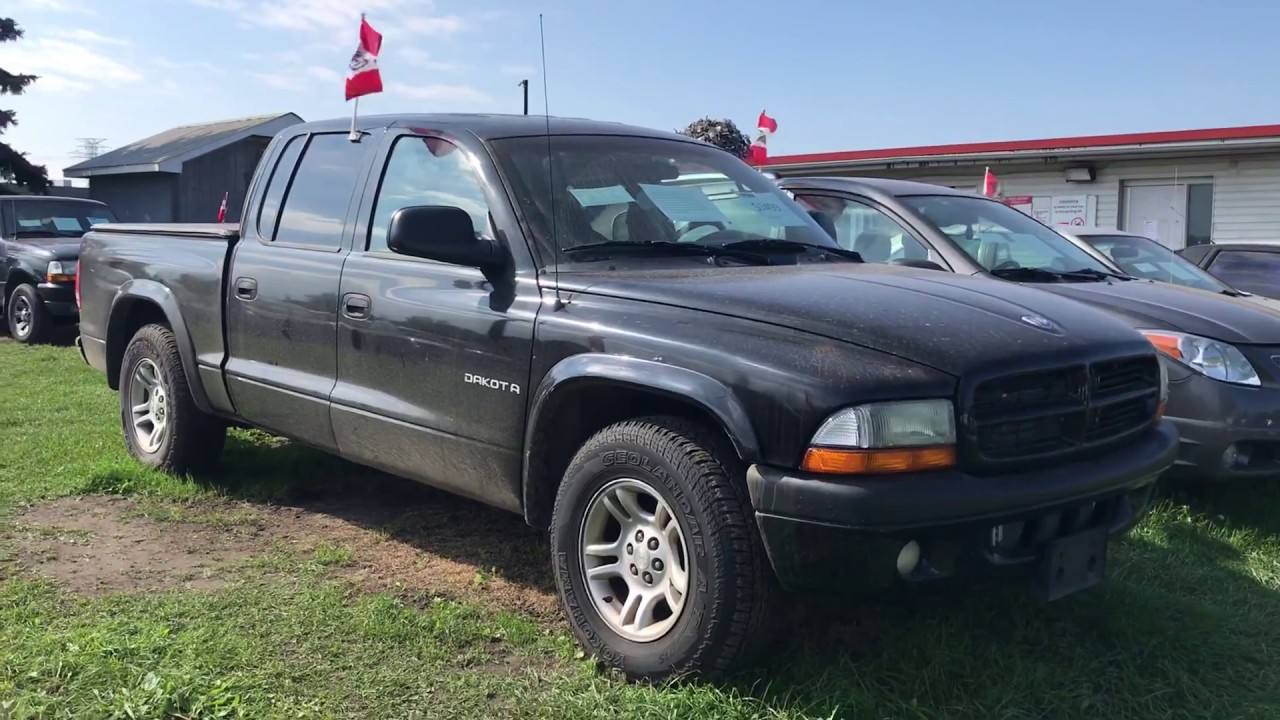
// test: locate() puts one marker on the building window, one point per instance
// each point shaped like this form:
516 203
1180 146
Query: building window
1176 214
1199 213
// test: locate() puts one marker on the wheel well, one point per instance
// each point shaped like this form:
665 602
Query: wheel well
124 324
16 278
577 412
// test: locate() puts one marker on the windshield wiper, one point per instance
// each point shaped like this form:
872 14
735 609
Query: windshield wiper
1098 274
766 244
1034 274
39 234
663 247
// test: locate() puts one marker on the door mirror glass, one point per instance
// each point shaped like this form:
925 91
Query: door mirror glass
440 232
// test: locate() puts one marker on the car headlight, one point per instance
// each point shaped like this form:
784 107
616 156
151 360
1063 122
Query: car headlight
885 437
61 271
1215 359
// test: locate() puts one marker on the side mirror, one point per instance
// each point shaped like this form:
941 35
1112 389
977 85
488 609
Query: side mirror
1123 252
918 263
441 232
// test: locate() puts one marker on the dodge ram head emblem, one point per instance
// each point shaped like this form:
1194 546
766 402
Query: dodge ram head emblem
1041 322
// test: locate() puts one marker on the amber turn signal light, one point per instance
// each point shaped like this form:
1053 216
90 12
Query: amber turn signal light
62 278
842 461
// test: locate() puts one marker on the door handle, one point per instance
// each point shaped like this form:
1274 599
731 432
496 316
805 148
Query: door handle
355 305
246 288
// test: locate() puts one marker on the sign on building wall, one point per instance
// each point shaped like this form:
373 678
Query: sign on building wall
1056 209
1069 210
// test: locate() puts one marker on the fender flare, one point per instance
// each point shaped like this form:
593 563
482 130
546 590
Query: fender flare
154 293
702 390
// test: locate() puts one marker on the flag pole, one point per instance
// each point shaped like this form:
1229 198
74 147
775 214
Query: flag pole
355 109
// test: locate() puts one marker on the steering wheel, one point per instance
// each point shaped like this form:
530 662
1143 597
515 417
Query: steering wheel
1005 265
717 228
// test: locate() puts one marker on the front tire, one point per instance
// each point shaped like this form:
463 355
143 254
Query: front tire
163 428
29 320
657 558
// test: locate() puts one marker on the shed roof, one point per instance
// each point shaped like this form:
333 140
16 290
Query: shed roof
1207 140
166 151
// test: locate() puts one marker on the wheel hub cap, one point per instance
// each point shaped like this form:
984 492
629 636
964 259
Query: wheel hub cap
634 561
21 315
149 406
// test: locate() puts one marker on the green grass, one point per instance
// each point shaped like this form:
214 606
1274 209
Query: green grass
1187 626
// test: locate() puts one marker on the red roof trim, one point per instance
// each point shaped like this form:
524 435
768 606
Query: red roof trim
1086 141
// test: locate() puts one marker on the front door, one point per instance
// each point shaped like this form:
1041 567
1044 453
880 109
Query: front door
282 306
1159 210
434 359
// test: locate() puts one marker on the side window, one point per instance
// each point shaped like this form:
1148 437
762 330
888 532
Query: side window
315 206
864 229
427 171
1249 270
269 211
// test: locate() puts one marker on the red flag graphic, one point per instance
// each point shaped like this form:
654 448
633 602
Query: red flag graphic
990 184
364 77
759 150
222 209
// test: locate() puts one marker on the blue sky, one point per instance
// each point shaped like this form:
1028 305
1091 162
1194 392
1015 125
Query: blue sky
836 74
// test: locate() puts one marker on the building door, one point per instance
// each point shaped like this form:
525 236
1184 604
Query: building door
1174 214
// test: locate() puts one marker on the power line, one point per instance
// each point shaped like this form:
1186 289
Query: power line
89 148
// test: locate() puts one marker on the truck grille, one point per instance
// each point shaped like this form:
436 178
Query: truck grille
1062 412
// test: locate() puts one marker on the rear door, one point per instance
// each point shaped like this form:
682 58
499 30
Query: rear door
433 358
282 303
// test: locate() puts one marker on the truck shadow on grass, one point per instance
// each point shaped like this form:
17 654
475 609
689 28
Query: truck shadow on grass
1186 616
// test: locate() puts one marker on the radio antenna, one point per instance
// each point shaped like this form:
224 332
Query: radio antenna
551 176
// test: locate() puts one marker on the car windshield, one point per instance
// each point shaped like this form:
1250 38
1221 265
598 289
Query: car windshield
617 196
1149 260
1002 240
57 218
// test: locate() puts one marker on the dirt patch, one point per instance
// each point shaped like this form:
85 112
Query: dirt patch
420 543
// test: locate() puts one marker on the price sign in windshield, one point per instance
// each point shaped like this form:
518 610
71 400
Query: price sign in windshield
773 210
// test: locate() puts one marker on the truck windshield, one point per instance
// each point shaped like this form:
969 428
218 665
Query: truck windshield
1004 241
614 195
1149 260
57 218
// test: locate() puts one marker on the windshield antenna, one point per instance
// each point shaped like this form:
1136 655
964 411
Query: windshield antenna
551 176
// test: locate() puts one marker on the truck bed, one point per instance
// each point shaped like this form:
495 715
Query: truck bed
210 231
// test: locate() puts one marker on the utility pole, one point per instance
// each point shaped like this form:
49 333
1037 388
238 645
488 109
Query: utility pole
88 148
525 84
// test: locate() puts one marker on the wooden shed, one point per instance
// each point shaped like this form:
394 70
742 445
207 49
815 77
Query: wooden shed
180 175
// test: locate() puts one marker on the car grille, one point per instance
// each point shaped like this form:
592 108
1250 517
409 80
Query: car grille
1062 412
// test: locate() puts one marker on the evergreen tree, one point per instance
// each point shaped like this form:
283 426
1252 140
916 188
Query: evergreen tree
14 166
721 133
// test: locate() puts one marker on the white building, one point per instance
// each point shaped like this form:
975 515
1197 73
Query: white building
1183 187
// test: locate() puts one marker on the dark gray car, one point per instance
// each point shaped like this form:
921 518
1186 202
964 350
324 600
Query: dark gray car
1222 353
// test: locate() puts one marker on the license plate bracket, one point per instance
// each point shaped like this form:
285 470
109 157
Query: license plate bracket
1073 563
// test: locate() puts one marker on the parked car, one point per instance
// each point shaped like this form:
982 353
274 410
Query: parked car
474 304
1252 267
1145 258
39 246
1219 351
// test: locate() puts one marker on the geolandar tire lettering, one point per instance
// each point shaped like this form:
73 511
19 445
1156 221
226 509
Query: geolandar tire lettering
657 559
162 426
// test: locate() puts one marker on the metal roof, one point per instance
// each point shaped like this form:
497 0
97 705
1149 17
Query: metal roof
1205 140
166 151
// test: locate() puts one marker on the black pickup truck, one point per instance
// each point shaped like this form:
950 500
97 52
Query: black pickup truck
39 243
642 345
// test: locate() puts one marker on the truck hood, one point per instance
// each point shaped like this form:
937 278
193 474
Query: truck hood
948 322
1161 306
51 249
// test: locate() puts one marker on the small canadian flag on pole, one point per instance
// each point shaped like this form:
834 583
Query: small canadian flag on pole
990 183
759 150
363 76
222 209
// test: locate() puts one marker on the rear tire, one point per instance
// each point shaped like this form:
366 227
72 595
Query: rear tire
684 588
162 426
29 320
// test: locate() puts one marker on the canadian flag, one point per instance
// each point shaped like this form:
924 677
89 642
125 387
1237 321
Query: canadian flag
990 183
759 150
364 77
222 209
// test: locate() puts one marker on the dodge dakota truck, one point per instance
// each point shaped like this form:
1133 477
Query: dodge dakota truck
39 243
644 347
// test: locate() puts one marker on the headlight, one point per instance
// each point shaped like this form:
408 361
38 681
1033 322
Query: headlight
1218 360
61 271
886 437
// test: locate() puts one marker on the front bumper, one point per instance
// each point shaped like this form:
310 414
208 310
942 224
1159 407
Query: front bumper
1226 431
846 534
59 299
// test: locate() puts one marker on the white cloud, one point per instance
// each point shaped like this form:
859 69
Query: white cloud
50 57
521 70
278 81
86 36
420 59
439 92
326 74
60 5
445 25
341 16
